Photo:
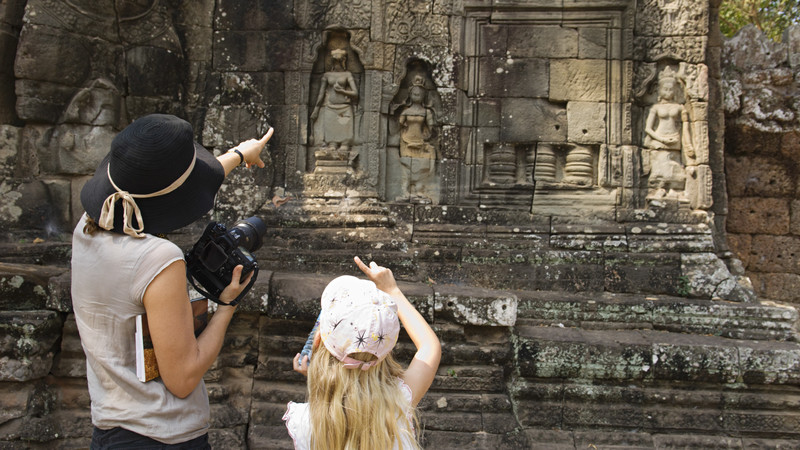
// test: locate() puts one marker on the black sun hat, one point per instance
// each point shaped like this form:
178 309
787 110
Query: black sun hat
155 179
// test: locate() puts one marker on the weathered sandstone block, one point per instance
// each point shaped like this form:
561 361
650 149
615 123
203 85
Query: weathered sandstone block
26 346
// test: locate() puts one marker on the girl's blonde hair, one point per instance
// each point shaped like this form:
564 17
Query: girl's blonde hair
358 409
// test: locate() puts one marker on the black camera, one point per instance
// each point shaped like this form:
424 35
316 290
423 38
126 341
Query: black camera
211 260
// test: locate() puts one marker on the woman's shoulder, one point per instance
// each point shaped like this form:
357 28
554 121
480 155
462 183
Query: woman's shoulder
162 246
156 253
121 243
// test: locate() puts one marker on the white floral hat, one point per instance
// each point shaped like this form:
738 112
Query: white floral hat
357 317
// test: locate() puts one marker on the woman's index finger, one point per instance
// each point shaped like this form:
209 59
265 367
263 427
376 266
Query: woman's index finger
267 135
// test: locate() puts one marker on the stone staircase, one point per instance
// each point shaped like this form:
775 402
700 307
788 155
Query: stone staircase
627 371
574 371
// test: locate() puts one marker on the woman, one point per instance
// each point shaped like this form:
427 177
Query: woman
154 180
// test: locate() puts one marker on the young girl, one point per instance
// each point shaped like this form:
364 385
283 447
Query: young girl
359 397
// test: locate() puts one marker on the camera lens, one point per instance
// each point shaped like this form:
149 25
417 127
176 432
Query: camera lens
249 233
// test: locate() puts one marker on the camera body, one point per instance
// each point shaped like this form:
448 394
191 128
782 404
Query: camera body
210 262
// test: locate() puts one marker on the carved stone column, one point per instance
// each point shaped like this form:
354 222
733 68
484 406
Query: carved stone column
578 169
530 165
545 169
502 164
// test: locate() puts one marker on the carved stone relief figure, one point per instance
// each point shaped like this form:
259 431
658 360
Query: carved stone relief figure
415 133
667 125
341 159
666 134
97 104
416 123
333 114
417 155
87 126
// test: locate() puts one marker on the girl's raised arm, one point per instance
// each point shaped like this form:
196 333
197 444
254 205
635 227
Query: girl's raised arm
421 371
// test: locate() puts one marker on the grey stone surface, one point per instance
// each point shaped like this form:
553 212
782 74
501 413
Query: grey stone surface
578 80
524 120
476 307
28 343
25 287
10 140
586 122
513 77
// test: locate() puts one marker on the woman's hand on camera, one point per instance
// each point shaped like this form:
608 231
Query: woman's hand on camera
251 149
235 288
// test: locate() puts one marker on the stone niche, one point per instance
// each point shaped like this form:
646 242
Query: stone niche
559 104
335 142
413 145
548 91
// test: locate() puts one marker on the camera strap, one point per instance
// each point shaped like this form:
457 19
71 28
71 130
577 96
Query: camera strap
216 299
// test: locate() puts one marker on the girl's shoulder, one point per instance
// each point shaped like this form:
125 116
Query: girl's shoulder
408 397
405 389
298 423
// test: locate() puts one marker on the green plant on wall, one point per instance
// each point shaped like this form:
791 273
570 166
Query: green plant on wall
684 286
772 17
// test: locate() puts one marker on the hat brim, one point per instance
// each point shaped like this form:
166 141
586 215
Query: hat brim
168 212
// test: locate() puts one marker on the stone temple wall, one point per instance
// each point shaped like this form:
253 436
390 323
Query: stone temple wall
538 109
762 148
546 179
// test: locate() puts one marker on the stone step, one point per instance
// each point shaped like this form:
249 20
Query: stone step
286 295
28 342
295 296
269 437
544 439
456 440
54 251
764 320
28 286
648 355
656 382
509 250
735 409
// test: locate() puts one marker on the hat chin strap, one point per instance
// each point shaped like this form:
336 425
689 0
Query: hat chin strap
129 206
107 214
